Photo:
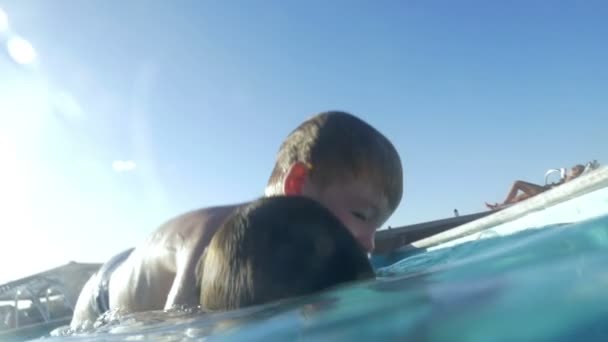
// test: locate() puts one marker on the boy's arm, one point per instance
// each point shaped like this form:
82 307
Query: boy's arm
184 290
84 311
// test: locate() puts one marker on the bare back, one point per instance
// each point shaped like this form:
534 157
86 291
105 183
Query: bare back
160 273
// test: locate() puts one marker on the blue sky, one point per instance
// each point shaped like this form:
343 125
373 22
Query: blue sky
199 95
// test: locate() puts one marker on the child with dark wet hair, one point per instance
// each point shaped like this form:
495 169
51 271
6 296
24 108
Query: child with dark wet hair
276 248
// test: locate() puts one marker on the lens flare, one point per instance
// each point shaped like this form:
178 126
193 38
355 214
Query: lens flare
123 165
3 21
20 50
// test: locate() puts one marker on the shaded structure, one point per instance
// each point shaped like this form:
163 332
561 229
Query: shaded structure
34 305
392 239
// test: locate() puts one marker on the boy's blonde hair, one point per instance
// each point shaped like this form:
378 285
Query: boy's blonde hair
338 145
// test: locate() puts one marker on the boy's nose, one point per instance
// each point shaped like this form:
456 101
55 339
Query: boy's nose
367 241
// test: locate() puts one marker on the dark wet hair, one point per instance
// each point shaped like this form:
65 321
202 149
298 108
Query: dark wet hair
275 248
338 145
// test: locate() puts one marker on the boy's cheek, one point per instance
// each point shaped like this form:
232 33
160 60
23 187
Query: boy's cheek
364 234
365 239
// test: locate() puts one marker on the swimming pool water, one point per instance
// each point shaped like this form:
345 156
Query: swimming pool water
545 284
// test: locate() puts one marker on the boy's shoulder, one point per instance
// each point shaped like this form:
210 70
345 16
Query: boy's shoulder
193 227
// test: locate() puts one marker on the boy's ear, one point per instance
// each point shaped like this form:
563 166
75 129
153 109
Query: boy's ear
296 177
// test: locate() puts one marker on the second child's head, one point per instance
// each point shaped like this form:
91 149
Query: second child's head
275 248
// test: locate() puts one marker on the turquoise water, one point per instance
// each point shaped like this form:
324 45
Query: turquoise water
545 284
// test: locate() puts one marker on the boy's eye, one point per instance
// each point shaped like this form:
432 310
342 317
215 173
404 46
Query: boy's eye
359 215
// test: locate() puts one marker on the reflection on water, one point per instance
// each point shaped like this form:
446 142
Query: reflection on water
542 285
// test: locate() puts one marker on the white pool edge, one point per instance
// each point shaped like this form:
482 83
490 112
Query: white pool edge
558 205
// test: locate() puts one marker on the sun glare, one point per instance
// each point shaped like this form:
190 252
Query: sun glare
20 50
123 165
3 21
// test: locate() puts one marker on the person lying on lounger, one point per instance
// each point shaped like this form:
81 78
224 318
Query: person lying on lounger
530 189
